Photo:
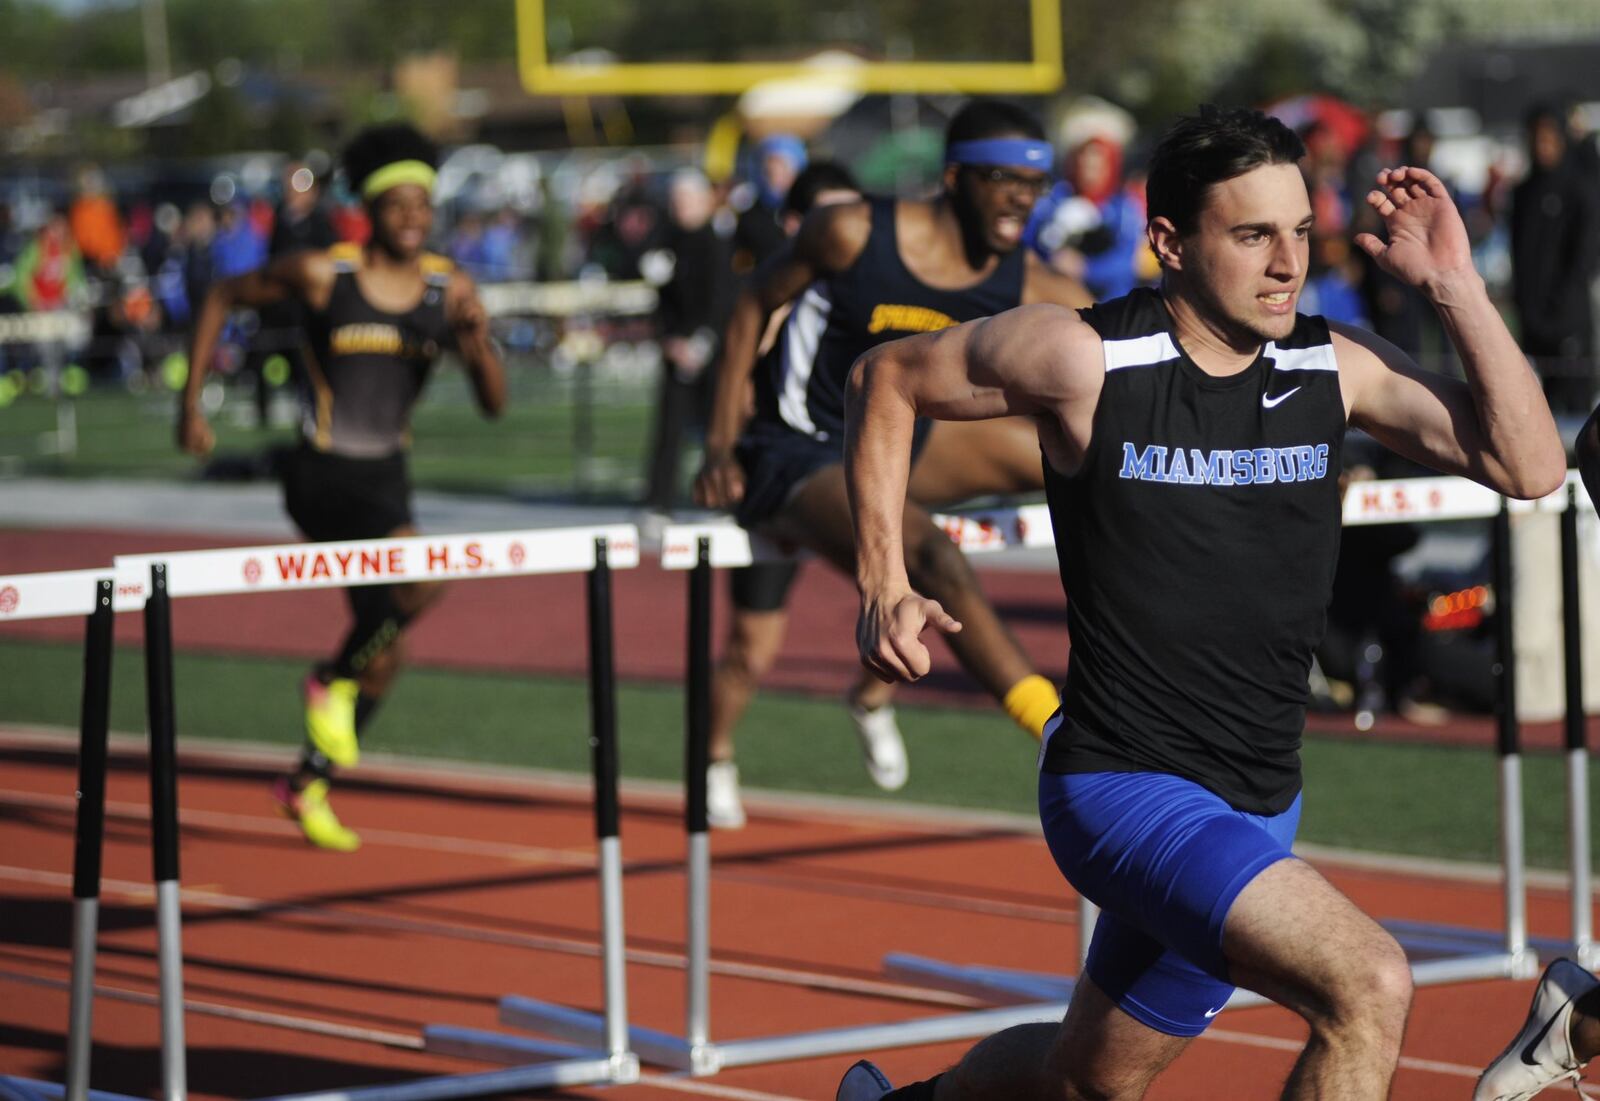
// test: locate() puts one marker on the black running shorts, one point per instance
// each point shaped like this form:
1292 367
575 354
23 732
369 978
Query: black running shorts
334 498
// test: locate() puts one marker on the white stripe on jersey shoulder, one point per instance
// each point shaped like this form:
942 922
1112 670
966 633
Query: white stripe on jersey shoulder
1318 357
799 339
1140 351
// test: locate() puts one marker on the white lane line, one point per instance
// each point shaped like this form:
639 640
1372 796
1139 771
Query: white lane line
800 880
1278 1043
234 1013
786 976
912 896
274 827
710 1089
368 1035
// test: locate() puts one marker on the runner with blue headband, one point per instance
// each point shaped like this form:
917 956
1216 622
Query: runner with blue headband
858 274
1001 152
378 316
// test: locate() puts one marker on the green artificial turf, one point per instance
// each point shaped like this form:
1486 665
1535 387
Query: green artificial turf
553 438
1436 801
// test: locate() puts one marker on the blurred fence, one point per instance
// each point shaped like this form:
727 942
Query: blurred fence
81 398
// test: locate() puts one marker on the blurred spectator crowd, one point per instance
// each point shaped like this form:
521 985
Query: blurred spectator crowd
141 260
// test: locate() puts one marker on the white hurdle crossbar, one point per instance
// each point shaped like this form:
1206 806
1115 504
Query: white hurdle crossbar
150 580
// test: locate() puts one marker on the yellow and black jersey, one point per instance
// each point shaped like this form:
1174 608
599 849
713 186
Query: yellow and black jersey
367 366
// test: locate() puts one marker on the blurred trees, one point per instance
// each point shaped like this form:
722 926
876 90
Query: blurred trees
1155 57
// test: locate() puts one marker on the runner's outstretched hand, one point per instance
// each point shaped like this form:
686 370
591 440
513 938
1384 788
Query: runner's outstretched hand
888 634
720 483
194 433
1427 239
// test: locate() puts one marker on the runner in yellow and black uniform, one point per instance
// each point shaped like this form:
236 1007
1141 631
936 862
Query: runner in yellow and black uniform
378 317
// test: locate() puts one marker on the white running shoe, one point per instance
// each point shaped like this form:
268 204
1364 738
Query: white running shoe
862 1082
883 750
1541 1055
724 810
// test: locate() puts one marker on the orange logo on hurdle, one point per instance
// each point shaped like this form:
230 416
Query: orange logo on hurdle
10 598
252 571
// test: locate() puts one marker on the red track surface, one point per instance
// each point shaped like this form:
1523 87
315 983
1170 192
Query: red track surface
468 889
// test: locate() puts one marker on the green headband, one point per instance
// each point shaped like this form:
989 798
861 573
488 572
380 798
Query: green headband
400 172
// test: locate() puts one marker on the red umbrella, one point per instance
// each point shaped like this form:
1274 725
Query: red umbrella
1341 122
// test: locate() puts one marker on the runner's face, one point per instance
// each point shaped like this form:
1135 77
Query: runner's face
1246 258
402 218
996 201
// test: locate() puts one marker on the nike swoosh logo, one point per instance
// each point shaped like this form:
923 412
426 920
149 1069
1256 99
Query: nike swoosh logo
1528 1056
1273 403
1213 1012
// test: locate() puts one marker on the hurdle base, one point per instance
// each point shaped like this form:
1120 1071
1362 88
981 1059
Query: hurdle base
1423 938
849 1040
1004 986
602 1069
496 1047
13 1088
999 985
580 1026
664 1049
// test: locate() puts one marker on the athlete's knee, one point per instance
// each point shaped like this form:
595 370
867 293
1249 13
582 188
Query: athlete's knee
746 660
1370 993
936 566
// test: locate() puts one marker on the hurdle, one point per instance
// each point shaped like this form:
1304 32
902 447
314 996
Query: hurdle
59 595
150 582
699 549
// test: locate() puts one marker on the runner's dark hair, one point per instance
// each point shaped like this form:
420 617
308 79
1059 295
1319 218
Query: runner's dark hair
377 146
992 118
1204 149
814 179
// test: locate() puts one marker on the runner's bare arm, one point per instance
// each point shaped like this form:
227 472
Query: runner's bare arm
307 276
829 241
1041 361
470 323
1495 427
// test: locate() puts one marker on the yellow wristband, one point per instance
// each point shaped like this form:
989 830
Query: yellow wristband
1030 703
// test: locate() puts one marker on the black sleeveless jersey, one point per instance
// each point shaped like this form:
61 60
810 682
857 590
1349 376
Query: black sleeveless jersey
1197 548
801 382
367 367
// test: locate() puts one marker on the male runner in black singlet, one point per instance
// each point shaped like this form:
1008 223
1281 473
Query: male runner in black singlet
379 316
859 274
1191 438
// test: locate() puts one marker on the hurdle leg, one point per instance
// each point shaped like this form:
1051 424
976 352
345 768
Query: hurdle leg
1576 737
94 721
603 742
1521 960
697 1017
164 829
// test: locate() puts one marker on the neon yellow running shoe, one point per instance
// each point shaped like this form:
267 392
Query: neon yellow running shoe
331 719
309 807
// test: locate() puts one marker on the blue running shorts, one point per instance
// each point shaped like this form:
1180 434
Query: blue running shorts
1164 859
